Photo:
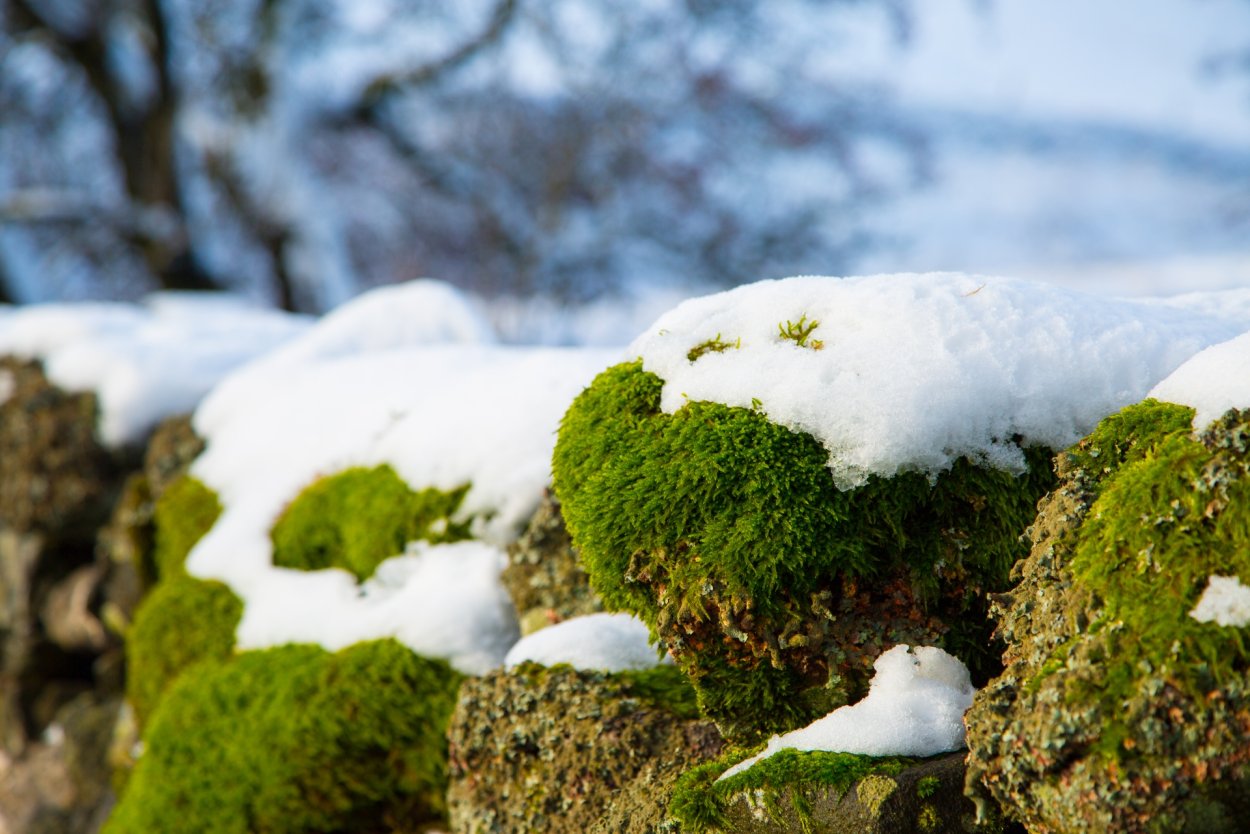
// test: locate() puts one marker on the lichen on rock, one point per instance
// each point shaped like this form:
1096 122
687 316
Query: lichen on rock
555 749
827 793
544 576
774 590
1118 711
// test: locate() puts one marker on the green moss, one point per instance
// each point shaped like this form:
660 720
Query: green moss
1166 520
183 514
713 345
722 531
665 686
1129 435
360 517
927 786
700 802
296 739
800 331
181 622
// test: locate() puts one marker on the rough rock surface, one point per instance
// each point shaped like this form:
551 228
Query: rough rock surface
65 595
1169 754
925 798
560 750
544 575
55 477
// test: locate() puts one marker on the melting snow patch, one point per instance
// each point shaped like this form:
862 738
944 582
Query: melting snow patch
910 372
1225 602
608 642
914 707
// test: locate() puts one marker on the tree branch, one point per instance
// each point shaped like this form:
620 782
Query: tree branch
387 85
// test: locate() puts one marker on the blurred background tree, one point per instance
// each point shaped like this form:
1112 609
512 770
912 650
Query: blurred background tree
306 149
301 151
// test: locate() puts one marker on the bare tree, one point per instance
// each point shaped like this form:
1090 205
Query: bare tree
303 150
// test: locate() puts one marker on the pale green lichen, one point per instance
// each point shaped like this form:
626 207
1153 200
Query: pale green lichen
873 790
565 751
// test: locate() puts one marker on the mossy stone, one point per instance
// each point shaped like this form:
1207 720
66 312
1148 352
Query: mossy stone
182 621
774 590
827 793
1118 711
360 517
561 750
296 739
184 513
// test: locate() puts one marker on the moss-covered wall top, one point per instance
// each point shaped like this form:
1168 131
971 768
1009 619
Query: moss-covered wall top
774 589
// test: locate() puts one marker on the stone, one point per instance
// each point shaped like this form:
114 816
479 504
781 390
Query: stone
544 575
1118 711
924 798
559 750
55 476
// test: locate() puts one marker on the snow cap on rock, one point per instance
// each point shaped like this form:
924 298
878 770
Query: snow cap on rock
606 642
914 707
1212 381
909 372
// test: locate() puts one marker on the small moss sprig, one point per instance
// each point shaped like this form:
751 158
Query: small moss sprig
712 345
799 331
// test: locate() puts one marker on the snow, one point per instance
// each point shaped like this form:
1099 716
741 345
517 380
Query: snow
914 707
442 416
442 601
1212 382
909 372
607 642
365 387
145 363
1225 602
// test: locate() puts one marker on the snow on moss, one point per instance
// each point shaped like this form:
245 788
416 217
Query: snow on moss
360 390
1225 602
914 707
1211 382
606 642
909 372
